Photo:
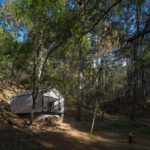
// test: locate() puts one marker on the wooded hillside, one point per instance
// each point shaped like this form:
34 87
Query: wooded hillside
96 53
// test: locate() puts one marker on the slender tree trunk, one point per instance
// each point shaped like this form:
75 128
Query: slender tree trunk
94 117
102 113
36 77
80 94
129 80
143 82
80 98
32 111
134 96
135 66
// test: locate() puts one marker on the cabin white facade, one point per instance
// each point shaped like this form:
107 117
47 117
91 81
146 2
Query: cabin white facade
50 101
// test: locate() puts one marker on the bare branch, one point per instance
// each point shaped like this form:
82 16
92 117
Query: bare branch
130 40
105 13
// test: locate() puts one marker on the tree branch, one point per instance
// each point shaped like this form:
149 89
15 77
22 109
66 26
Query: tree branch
130 40
105 13
47 56
146 26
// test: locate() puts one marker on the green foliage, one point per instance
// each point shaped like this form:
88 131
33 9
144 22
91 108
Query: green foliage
51 23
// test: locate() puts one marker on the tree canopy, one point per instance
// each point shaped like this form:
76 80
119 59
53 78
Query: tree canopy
96 52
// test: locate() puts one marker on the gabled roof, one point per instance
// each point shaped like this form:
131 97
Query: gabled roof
51 92
28 92
56 92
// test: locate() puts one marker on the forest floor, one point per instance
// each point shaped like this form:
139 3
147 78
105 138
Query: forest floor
110 134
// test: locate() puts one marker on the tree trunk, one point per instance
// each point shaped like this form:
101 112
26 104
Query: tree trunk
143 82
102 113
80 94
135 66
32 111
80 98
36 77
34 97
94 117
134 96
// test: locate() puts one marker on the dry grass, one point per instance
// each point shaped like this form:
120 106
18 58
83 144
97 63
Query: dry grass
9 91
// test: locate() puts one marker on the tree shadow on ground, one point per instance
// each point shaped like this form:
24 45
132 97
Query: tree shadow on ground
16 139
25 139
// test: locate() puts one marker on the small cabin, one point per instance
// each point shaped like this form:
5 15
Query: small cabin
50 101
